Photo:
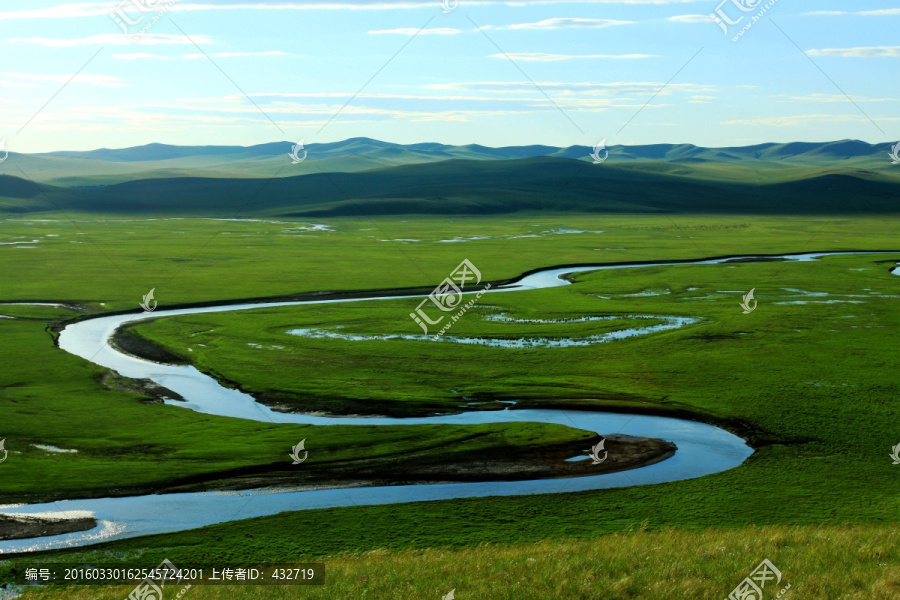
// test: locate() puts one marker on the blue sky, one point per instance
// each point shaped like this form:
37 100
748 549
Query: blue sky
494 73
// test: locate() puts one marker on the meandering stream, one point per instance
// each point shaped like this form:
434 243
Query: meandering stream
702 449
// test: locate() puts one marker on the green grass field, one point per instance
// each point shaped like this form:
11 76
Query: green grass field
110 263
813 385
857 562
817 394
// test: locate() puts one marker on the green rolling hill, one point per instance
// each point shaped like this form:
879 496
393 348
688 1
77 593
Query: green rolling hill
473 187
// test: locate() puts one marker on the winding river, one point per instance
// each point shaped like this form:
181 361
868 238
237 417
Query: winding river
702 449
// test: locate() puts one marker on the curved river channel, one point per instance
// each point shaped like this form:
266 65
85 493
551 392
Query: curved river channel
702 449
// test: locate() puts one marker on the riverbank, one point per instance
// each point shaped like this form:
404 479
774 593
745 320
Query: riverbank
25 527
542 462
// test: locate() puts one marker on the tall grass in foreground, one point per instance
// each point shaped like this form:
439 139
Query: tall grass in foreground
822 562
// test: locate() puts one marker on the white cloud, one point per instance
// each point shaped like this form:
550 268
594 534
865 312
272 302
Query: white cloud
561 88
114 39
101 80
365 95
415 31
63 11
859 52
235 54
690 19
95 9
141 56
151 117
150 56
701 99
385 106
884 12
801 120
568 23
819 97
543 57
17 84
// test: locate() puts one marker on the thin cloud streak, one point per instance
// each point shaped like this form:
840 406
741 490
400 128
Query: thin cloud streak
95 9
101 80
859 52
801 120
114 39
567 23
544 57
412 31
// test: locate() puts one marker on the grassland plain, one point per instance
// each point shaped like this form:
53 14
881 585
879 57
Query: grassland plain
814 311
108 264
809 377
781 369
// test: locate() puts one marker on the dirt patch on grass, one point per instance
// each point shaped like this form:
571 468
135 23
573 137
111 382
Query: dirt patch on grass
21 527
714 337
153 392
126 340
545 462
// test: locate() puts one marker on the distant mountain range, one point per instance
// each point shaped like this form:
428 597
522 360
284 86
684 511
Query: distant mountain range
761 162
430 152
